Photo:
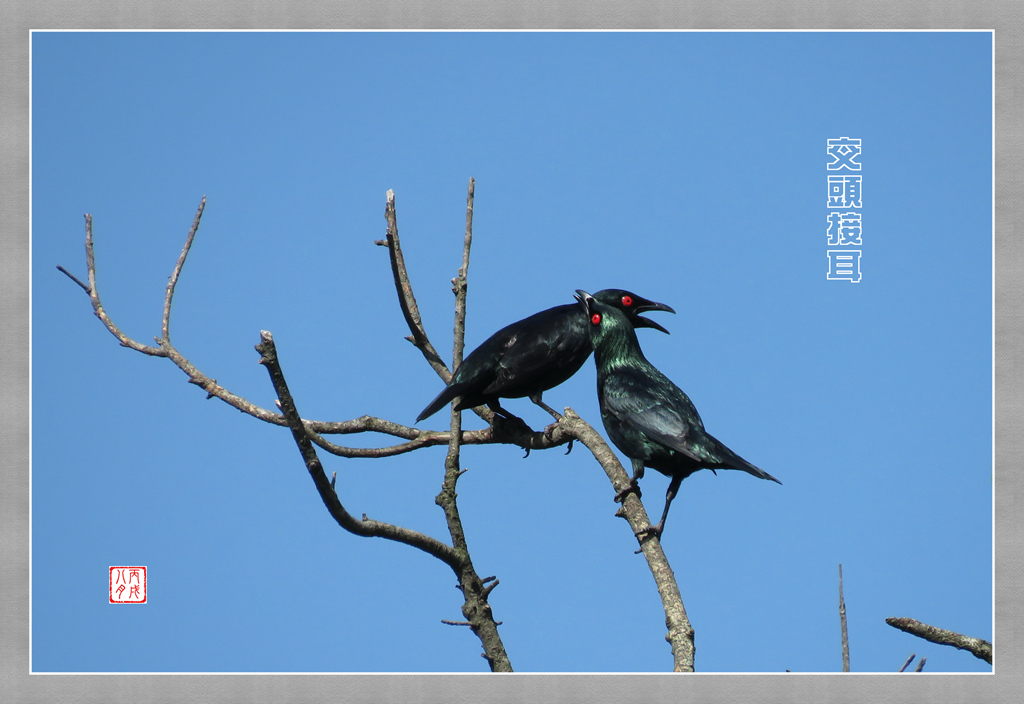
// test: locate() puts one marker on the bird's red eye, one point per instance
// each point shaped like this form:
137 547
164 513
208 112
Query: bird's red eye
627 301
595 319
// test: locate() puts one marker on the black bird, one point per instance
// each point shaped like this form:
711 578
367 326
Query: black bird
650 419
534 354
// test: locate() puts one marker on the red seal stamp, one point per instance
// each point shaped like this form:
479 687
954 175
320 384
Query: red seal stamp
127 585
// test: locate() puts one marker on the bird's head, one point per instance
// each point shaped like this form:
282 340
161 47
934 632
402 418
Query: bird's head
604 321
632 305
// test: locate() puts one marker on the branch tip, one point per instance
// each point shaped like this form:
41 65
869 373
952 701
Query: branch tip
489 588
907 663
74 278
981 649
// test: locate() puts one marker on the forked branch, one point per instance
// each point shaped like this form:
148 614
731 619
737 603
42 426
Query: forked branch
570 427
309 432
365 527
476 609
416 438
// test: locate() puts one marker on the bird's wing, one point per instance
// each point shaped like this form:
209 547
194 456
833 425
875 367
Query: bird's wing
544 342
650 403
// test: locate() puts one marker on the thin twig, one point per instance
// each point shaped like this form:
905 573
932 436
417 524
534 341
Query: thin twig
165 336
568 428
475 608
427 438
406 299
73 278
97 306
979 648
842 621
460 284
920 664
417 438
907 663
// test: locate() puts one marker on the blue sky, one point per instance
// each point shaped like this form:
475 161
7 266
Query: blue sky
688 167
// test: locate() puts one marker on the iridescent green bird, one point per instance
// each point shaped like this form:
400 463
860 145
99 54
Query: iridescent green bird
650 419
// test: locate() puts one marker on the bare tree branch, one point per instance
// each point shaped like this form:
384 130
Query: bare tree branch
979 648
427 438
502 433
907 663
406 299
460 284
165 337
366 527
842 621
475 608
73 278
680 632
94 297
565 429
500 430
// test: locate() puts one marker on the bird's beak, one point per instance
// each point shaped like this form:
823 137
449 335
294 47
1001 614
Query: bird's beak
644 306
584 298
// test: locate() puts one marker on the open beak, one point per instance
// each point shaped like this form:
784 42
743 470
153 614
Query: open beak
643 306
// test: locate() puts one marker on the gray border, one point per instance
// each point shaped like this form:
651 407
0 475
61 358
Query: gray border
16 19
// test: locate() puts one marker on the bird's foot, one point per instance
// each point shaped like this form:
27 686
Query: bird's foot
634 486
648 532
549 435
514 426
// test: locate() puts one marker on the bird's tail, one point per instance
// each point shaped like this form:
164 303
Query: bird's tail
443 398
734 461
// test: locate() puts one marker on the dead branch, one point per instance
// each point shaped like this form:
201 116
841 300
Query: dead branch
977 647
406 299
475 608
500 433
173 281
566 429
680 634
842 622
366 528
500 430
